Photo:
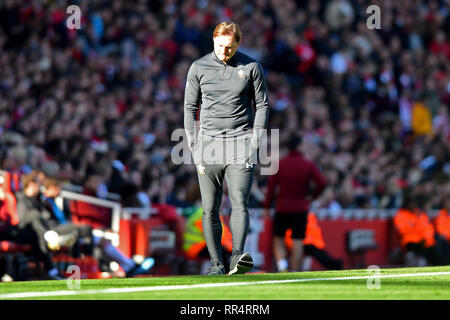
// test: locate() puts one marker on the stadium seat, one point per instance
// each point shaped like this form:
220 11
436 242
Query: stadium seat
10 215
83 212
10 201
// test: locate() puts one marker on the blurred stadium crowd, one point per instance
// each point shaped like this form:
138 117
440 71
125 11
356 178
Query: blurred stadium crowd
371 105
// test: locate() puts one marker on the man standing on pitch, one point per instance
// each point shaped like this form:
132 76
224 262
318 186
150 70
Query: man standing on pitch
225 141
292 186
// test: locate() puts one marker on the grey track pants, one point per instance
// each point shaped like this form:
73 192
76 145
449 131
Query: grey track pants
238 171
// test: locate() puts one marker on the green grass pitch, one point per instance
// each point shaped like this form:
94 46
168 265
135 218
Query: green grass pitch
399 283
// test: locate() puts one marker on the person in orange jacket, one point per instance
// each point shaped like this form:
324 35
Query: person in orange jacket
313 244
416 232
442 225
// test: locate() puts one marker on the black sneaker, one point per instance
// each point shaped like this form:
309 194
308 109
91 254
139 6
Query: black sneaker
216 270
141 269
241 263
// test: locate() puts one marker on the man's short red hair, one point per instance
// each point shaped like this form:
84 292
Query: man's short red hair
228 28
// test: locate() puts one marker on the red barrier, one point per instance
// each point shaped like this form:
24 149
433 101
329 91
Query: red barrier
143 229
334 232
265 243
9 246
125 237
135 235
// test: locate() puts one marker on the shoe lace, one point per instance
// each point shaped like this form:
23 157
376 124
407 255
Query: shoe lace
215 267
234 259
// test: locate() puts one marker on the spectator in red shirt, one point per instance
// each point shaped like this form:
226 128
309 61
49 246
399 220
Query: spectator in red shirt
292 186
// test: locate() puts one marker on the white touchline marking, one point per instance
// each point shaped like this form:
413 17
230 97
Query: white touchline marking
204 285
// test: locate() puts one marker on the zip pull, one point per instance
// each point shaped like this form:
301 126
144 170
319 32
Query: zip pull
227 72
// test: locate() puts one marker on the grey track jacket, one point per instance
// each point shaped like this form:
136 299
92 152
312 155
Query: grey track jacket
225 93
